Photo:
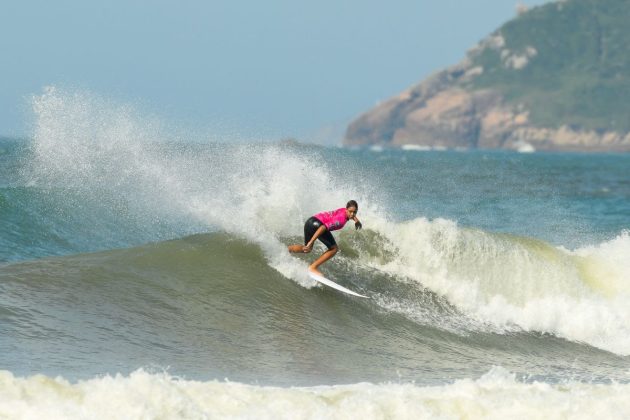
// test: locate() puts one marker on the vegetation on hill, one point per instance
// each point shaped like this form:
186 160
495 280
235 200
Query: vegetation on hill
567 62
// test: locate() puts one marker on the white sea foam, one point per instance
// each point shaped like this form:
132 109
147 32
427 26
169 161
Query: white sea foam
518 283
496 395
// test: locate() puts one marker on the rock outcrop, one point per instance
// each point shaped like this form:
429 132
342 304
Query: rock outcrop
451 110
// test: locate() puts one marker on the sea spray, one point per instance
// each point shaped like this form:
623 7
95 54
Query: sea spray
112 158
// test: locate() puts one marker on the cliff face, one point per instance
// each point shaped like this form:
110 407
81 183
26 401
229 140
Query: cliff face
518 90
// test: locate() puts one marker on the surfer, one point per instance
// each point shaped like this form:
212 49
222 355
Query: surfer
319 227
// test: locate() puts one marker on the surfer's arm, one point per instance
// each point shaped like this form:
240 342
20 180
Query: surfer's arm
357 223
318 232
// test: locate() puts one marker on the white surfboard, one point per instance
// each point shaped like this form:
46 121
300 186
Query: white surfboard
334 285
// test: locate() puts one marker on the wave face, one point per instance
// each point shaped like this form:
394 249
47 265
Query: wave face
210 306
169 252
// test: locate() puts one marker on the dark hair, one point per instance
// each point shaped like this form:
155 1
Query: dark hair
352 203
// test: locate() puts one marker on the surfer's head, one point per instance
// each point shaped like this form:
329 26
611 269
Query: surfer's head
351 209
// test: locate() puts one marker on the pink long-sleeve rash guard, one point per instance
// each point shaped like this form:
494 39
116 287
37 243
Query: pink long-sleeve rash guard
333 220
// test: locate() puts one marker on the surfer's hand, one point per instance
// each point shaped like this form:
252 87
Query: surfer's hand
307 248
358 225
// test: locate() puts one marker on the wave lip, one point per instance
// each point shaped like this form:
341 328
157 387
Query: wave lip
513 283
496 395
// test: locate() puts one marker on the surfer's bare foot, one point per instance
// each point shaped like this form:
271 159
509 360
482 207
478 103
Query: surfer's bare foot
314 271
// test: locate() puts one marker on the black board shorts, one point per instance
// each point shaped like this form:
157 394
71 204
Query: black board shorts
311 226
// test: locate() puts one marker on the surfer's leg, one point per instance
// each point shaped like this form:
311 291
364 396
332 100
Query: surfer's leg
310 227
329 240
322 259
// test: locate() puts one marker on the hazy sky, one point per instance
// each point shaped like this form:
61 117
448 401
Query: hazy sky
289 68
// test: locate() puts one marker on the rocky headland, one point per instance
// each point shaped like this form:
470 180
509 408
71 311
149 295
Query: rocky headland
530 85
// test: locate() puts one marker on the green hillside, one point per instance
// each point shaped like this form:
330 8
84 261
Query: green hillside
568 62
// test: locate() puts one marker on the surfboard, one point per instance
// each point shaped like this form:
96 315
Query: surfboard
330 283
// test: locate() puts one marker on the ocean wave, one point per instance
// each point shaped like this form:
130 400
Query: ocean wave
516 283
129 185
110 162
496 395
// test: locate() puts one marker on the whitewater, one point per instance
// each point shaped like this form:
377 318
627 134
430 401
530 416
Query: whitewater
147 266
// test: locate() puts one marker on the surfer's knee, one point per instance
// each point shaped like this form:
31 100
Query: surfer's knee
333 249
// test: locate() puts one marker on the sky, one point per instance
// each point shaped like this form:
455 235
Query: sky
284 68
